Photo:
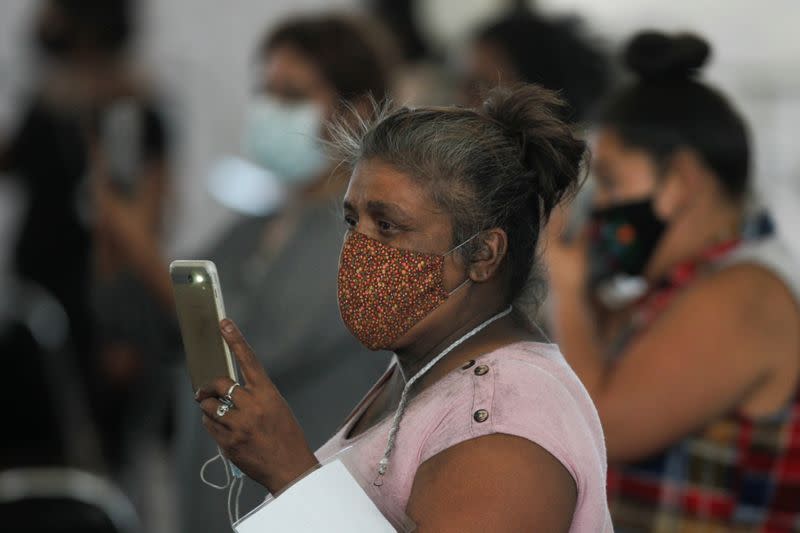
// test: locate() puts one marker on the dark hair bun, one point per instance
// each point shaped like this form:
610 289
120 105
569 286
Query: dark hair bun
550 151
656 56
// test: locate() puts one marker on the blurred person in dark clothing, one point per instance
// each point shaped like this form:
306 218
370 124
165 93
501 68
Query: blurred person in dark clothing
92 137
697 381
49 155
523 46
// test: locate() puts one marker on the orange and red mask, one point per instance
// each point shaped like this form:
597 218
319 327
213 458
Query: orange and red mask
384 291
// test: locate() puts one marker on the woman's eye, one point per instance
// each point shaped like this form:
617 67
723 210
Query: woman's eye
385 226
350 221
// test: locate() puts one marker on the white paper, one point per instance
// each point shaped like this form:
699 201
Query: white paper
329 499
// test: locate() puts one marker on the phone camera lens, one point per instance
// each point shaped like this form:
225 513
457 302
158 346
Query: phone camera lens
190 278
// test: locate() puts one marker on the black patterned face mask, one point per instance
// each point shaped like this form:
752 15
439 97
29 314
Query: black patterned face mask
622 238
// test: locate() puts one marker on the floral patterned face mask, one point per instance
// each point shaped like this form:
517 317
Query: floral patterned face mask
385 291
622 240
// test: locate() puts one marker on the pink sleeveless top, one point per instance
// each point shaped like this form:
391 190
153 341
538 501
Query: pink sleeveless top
524 389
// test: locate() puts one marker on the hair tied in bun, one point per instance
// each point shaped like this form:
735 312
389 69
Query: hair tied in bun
655 56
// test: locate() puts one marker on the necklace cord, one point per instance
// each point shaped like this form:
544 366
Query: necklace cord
383 464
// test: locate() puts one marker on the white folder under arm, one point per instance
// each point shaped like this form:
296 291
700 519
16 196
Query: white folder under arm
329 499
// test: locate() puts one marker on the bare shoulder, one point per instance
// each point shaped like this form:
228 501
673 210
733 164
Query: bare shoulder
493 483
750 316
750 291
760 310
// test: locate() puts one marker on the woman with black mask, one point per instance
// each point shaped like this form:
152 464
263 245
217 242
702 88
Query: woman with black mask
696 382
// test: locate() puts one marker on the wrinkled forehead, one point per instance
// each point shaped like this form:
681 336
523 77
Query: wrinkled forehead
376 184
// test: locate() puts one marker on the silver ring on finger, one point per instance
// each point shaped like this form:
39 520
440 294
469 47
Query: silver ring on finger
223 409
228 398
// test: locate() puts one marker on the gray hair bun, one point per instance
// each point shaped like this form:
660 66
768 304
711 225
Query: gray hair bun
550 152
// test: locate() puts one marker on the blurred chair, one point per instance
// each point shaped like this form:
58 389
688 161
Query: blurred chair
49 427
55 500
49 416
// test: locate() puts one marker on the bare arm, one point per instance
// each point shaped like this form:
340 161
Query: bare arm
497 483
718 343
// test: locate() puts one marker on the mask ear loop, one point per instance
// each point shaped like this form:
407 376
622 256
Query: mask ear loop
457 288
541 331
535 324
453 250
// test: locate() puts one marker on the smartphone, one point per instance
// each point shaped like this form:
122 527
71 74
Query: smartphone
121 133
198 299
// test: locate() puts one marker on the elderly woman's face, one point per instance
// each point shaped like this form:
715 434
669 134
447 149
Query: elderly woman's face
389 206
393 208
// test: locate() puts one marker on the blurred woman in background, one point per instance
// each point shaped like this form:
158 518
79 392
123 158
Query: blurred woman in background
522 46
94 136
697 381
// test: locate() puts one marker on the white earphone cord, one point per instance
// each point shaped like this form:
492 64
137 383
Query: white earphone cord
383 464
233 485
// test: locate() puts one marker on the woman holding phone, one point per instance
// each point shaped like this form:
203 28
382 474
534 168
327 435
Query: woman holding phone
478 425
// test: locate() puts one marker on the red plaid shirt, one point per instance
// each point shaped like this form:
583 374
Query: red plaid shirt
737 474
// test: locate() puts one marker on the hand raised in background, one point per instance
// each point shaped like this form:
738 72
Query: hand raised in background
567 260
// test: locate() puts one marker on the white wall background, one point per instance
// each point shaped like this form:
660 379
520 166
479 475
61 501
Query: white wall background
198 51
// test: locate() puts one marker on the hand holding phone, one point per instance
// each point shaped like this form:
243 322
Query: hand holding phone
263 437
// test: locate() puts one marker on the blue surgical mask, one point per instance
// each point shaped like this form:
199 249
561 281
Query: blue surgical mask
284 139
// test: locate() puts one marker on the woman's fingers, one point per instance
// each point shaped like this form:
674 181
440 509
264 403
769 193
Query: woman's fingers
252 370
217 388
258 432
209 407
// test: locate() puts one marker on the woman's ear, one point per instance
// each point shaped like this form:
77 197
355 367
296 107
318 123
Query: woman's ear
490 251
680 183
